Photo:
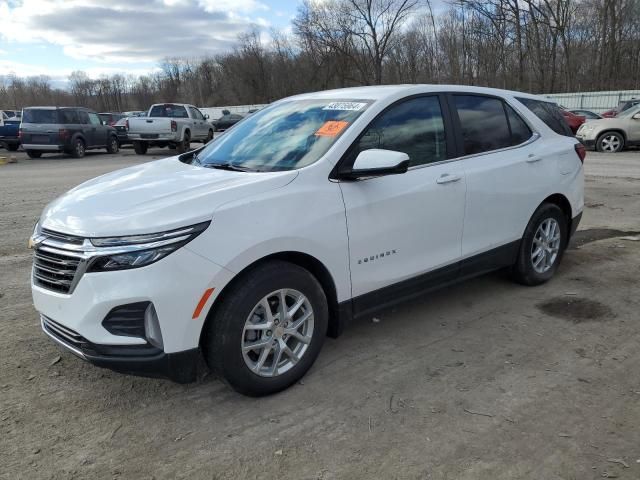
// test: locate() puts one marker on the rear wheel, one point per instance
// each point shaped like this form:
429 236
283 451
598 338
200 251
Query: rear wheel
268 329
185 144
610 142
113 146
542 246
209 136
34 153
140 147
78 148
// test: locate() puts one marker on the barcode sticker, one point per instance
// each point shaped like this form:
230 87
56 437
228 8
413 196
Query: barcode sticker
345 106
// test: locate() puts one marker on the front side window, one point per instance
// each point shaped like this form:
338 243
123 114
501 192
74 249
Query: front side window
414 127
483 122
284 136
94 119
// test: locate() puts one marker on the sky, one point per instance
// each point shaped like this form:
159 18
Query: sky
56 37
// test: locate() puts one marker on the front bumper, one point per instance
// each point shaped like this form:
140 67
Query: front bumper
174 285
145 360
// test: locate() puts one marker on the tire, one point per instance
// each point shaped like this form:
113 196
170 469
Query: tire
185 145
34 153
525 270
113 145
225 333
610 142
12 147
140 147
209 136
78 148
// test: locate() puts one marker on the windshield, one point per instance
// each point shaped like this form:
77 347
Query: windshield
629 112
284 136
34 115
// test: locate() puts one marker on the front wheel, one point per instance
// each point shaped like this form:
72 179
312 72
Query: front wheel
113 146
268 329
12 147
610 142
542 246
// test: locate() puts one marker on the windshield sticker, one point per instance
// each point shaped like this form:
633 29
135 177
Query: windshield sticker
345 106
331 128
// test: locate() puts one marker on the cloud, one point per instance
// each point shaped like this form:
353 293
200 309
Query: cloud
125 31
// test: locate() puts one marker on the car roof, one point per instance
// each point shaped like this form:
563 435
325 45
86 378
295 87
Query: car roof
58 108
385 91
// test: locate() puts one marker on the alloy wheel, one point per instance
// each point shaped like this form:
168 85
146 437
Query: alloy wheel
546 245
277 332
611 143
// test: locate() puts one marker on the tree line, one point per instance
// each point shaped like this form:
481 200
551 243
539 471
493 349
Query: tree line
539 46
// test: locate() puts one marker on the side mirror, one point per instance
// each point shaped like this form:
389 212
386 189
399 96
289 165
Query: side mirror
636 116
376 162
206 116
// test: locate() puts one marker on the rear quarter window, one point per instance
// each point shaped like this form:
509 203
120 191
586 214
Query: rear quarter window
69 116
549 113
35 115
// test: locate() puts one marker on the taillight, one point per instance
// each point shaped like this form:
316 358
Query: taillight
63 134
581 151
174 126
126 124
20 134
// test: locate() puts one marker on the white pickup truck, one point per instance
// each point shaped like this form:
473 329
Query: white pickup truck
173 125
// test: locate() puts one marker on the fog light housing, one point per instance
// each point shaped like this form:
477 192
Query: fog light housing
152 327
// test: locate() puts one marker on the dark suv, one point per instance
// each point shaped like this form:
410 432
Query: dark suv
71 130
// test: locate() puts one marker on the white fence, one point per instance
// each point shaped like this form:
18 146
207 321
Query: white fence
216 112
595 101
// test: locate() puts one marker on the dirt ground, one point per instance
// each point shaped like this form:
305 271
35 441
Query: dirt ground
485 380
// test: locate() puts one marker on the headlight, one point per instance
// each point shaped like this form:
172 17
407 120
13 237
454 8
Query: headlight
134 251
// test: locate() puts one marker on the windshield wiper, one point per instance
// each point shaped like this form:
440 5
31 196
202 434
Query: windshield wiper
228 166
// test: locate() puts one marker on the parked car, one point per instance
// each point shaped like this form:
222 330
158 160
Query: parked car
72 130
9 128
226 121
173 125
122 130
574 121
13 113
111 118
622 106
588 114
318 209
612 135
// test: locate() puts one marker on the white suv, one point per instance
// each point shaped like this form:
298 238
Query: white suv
318 209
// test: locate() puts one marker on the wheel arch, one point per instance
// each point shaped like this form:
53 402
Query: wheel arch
310 263
613 130
563 203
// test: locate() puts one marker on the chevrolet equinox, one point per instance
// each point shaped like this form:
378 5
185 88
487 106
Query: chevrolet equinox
316 210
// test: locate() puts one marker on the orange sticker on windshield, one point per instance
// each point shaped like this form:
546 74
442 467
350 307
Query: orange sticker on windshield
331 128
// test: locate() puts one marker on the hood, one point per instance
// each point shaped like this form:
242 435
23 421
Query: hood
153 197
600 123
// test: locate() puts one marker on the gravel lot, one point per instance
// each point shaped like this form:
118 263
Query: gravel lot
487 379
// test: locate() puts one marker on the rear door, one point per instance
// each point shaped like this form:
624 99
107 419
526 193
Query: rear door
201 129
506 172
403 226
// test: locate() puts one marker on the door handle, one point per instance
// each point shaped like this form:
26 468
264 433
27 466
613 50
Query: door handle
533 158
447 178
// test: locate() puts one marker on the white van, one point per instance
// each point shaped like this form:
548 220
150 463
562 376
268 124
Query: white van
318 209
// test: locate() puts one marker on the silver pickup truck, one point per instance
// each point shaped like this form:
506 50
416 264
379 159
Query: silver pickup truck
173 125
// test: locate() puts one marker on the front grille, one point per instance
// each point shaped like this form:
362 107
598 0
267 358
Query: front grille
64 334
62 237
54 271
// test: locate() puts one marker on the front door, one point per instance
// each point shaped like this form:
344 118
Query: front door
405 230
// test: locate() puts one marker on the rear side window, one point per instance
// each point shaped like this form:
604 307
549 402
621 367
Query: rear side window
69 116
414 127
83 117
169 110
484 123
549 113
35 115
